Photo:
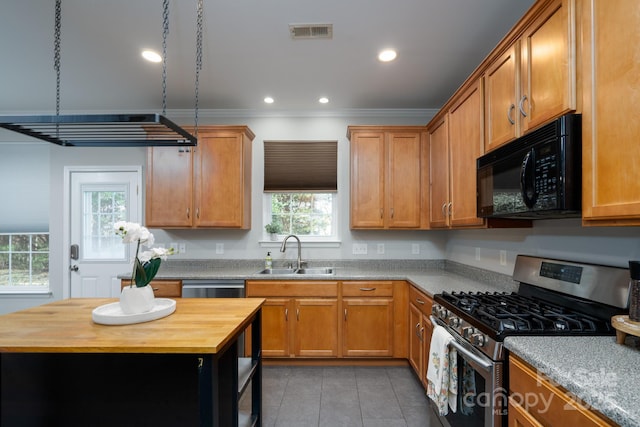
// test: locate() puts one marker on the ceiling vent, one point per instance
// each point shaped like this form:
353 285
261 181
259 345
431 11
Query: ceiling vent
311 31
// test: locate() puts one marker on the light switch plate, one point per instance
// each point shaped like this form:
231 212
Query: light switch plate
415 248
219 248
503 257
182 248
380 248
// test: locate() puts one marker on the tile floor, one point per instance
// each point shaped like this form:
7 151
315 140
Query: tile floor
303 396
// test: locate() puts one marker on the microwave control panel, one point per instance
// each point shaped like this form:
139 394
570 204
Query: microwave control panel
546 176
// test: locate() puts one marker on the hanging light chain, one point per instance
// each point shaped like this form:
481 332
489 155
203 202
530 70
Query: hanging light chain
198 59
56 57
165 32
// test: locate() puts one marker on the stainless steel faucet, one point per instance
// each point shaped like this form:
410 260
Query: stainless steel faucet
284 247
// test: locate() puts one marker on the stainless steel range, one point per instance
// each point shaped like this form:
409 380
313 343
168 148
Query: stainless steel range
554 298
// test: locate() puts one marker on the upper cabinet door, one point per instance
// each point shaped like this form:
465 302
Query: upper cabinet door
403 180
611 98
169 187
221 180
501 80
466 145
439 174
548 66
367 179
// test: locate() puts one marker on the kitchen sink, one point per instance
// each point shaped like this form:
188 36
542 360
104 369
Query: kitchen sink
324 271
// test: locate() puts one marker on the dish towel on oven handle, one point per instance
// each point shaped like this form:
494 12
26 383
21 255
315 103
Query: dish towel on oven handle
442 371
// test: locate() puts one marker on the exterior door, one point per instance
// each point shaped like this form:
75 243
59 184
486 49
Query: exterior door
97 255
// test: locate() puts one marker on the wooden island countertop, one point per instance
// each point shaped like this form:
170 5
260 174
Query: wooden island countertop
59 367
199 325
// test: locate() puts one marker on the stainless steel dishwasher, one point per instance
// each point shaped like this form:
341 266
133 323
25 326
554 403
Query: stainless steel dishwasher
205 288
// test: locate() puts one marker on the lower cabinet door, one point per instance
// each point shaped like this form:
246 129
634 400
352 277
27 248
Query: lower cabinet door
416 334
316 326
275 327
367 327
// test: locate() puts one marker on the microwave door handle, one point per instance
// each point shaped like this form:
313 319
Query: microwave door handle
527 180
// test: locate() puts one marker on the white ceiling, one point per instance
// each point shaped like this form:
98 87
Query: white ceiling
248 53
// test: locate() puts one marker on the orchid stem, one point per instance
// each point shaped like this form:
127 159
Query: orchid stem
135 265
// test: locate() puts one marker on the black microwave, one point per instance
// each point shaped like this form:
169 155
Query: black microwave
536 176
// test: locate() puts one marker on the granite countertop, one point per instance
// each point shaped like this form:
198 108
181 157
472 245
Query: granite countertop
431 276
595 370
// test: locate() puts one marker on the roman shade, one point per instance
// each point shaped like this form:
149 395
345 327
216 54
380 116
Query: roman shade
300 166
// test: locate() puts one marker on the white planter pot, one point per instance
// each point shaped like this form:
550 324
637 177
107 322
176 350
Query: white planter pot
274 237
134 300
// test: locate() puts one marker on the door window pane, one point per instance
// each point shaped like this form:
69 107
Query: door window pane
101 210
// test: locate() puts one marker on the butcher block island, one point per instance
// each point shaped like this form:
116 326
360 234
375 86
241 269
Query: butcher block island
58 367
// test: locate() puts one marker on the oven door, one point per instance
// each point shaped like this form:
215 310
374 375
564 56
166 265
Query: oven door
481 396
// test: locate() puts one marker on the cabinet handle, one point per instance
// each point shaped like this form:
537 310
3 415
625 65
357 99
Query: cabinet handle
418 331
450 209
392 212
367 289
297 314
155 289
286 314
509 116
188 213
421 334
442 209
521 105
197 213
419 301
381 212
345 314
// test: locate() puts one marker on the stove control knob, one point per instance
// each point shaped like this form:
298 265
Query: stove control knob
478 339
454 322
435 309
467 331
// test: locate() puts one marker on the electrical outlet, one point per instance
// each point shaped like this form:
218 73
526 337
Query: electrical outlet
380 248
182 248
174 246
503 257
219 248
415 248
359 249
477 254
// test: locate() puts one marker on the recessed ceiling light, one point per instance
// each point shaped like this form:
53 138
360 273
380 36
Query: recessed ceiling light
387 55
151 56
268 100
323 100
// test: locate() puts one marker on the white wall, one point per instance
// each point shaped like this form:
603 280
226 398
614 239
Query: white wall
562 239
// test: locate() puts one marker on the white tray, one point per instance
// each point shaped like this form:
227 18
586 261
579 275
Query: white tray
111 314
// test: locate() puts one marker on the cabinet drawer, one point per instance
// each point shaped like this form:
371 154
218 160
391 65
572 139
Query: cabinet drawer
533 392
367 289
420 300
162 288
277 288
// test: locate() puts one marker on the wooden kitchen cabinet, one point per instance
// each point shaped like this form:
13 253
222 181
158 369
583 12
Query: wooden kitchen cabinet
300 319
386 176
535 401
534 79
161 288
420 330
329 319
455 143
208 186
368 324
611 107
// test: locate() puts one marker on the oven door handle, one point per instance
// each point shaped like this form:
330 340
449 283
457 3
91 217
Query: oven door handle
481 362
